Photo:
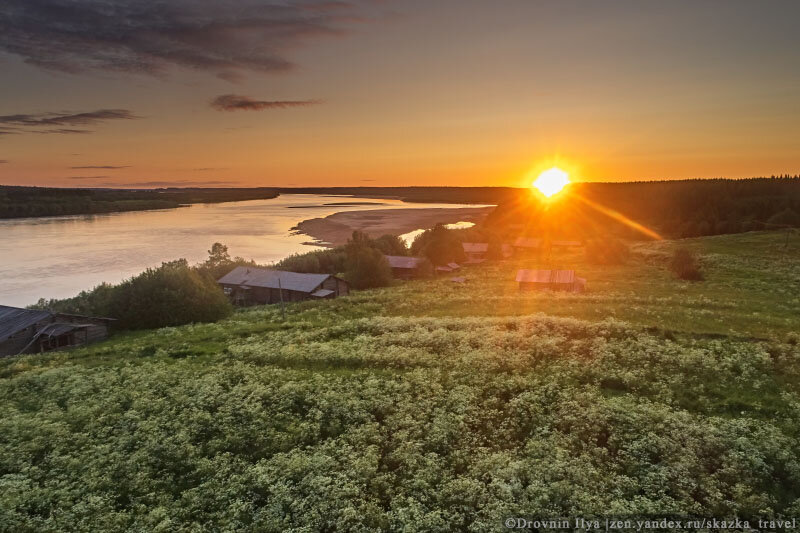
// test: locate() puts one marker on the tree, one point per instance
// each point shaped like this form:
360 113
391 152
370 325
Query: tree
685 266
367 268
439 244
390 245
170 295
218 255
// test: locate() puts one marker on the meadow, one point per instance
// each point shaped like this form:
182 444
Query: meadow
430 406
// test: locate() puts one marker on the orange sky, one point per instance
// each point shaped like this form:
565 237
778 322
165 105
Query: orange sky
405 93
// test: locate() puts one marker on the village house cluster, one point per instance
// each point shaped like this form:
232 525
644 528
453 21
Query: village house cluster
28 330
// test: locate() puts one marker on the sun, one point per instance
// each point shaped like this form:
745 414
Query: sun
551 181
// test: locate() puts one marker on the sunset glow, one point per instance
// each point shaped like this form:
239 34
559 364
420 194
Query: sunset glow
551 181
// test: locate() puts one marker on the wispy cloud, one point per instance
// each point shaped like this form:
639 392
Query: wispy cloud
48 122
3 161
87 177
170 183
146 37
235 102
108 167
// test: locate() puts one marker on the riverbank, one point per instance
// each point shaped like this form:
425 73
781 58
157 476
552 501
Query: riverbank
335 229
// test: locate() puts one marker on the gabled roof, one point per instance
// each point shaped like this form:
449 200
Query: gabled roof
545 276
402 261
475 247
14 319
527 242
271 279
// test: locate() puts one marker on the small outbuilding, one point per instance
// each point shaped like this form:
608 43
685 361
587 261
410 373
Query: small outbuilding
556 280
30 330
254 286
475 251
404 267
449 267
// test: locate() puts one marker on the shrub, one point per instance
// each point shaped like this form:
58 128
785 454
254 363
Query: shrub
439 245
390 245
685 266
170 295
367 268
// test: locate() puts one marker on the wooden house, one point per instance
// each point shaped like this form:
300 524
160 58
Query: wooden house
253 286
404 267
556 280
475 251
29 330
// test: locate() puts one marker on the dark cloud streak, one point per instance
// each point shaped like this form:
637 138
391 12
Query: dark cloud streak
45 122
104 167
147 37
234 102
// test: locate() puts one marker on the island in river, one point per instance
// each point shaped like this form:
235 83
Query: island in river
335 229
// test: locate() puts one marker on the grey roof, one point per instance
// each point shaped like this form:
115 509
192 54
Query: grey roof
14 319
475 247
402 261
545 276
270 279
56 329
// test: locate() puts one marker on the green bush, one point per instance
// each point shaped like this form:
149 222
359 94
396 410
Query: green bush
685 266
170 295
366 266
439 245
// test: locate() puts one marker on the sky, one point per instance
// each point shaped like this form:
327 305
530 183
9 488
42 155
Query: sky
152 93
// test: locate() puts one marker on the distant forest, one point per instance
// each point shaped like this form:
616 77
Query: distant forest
672 209
19 202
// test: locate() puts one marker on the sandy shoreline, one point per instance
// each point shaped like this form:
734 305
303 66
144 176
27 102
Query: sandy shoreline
335 229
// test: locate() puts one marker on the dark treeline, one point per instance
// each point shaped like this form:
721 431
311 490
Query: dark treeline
457 195
672 209
18 202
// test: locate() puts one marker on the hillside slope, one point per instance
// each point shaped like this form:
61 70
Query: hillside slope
431 406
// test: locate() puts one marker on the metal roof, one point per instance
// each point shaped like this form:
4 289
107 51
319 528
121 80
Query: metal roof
57 329
14 319
261 277
402 261
545 276
475 247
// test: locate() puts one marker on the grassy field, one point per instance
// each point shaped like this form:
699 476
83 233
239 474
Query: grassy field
429 406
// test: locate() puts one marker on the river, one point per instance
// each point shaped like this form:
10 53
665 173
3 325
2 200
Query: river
57 257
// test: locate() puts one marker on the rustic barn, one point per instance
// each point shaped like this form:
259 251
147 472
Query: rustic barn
475 251
557 280
404 267
253 286
28 330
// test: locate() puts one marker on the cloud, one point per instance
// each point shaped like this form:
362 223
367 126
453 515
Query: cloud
3 161
49 122
234 102
87 177
150 36
179 183
108 167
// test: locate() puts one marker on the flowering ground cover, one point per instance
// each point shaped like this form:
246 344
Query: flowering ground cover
429 406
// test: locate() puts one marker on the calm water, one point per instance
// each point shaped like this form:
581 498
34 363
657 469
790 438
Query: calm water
57 257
